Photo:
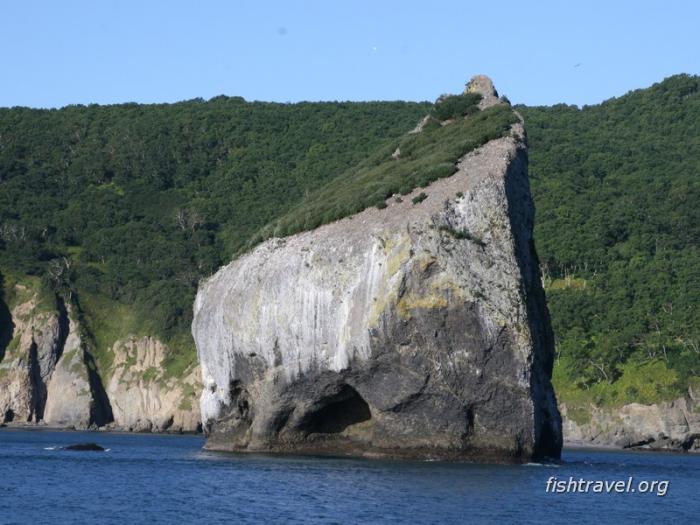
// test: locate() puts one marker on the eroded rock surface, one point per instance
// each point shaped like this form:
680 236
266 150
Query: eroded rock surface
70 398
48 375
414 331
672 425
35 342
143 397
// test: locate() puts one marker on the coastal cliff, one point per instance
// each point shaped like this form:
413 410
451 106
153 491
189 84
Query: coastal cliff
48 374
97 281
415 330
143 397
669 425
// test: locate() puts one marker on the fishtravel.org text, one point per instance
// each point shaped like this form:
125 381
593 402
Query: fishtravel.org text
587 486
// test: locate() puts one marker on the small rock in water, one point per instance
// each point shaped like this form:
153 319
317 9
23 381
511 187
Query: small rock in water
85 447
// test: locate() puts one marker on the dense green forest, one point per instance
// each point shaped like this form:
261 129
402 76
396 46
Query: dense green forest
124 208
617 188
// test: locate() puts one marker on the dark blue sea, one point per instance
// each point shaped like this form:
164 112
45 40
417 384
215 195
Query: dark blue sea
170 479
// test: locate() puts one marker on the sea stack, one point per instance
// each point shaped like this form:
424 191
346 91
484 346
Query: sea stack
418 330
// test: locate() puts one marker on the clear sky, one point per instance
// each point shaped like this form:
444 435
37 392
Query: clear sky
54 53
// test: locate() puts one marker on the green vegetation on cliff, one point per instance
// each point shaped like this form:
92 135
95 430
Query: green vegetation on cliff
419 159
124 208
617 187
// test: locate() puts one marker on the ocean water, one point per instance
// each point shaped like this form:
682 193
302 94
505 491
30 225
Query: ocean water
170 479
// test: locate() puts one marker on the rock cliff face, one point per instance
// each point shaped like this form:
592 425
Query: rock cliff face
418 330
71 398
143 398
672 425
34 346
48 376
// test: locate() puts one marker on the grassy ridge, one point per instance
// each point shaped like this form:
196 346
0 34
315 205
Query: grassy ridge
123 209
422 158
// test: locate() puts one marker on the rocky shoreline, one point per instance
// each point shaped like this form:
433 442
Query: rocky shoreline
568 444
671 425
42 427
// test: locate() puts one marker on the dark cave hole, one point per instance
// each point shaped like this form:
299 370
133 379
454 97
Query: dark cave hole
337 412
9 416
548 445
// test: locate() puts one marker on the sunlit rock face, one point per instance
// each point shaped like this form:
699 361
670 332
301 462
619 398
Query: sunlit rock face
48 376
418 330
668 425
143 397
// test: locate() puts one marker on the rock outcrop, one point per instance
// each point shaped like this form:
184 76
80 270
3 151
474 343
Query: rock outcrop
418 330
35 341
672 425
143 397
48 375
482 85
70 397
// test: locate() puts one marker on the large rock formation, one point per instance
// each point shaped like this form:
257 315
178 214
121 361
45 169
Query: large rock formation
71 399
418 330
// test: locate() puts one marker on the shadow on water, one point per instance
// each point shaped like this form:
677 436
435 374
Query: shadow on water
6 325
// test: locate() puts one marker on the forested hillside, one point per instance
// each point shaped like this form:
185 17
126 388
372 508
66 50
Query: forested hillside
617 187
124 208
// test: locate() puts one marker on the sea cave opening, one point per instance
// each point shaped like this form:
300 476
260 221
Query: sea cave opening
337 412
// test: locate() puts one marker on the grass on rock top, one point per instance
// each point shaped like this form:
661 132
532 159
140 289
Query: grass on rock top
424 157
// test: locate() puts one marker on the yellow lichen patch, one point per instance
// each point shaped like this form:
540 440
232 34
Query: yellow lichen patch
442 284
428 302
388 292
425 261
397 251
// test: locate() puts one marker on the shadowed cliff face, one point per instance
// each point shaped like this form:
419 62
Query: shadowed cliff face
6 325
418 330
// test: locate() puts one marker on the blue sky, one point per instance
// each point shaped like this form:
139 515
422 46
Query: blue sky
538 52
